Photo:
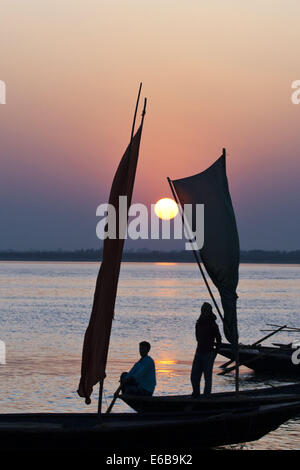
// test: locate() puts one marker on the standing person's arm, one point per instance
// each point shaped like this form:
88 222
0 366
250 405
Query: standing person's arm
218 338
197 332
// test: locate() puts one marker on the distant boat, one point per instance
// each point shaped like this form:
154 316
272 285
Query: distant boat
279 359
276 360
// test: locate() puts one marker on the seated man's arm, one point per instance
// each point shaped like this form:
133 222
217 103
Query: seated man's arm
133 370
126 375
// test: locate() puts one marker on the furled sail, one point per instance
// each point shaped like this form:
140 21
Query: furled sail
220 252
97 336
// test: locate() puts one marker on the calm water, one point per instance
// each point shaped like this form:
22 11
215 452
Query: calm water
45 309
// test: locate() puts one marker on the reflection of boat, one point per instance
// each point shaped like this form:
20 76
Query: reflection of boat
216 402
128 432
266 359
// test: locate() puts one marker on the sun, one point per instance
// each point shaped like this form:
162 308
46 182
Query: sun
166 208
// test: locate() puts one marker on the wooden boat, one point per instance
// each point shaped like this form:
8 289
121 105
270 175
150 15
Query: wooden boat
133 432
266 359
192 424
224 418
216 402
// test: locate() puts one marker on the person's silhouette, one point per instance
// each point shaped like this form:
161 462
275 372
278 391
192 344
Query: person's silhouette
207 332
140 380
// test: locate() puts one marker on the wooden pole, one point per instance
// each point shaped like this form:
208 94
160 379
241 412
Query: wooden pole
135 112
288 328
116 394
130 144
144 111
100 396
235 345
237 362
268 336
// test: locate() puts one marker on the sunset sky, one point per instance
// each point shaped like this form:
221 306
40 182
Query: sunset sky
216 74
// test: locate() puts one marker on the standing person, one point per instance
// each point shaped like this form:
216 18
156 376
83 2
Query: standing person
141 379
207 331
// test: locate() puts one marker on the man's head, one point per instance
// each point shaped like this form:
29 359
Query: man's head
144 348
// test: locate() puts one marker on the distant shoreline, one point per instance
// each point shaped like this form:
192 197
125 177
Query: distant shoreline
252 256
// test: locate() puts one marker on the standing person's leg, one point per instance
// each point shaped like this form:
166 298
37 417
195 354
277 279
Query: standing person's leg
196 374
208 363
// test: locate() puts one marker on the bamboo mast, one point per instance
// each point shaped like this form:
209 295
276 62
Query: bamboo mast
236 343
135 112
130 145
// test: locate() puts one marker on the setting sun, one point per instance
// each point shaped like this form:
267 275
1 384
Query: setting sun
166 208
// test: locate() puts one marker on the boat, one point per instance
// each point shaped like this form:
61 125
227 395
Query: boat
213 188
248 418
276 359
215 402
128 432
186 191
280 359
248 415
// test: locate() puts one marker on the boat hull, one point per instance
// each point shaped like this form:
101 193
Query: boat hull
217 401
135 432
264 359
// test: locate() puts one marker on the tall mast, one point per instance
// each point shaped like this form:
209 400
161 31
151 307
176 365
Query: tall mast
235 342
135 112
130 145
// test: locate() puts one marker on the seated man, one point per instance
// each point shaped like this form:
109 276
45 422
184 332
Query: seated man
140 380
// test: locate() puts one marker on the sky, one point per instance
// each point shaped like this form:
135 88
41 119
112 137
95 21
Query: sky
216 74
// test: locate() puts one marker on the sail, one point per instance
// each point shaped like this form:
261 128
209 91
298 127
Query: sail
96 340
220 252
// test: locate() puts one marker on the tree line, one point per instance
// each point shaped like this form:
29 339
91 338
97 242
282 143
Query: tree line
250 256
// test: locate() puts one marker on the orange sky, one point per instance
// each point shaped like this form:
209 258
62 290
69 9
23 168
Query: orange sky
216 74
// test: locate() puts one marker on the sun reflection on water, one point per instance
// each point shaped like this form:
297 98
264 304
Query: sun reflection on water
165 362
165 263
